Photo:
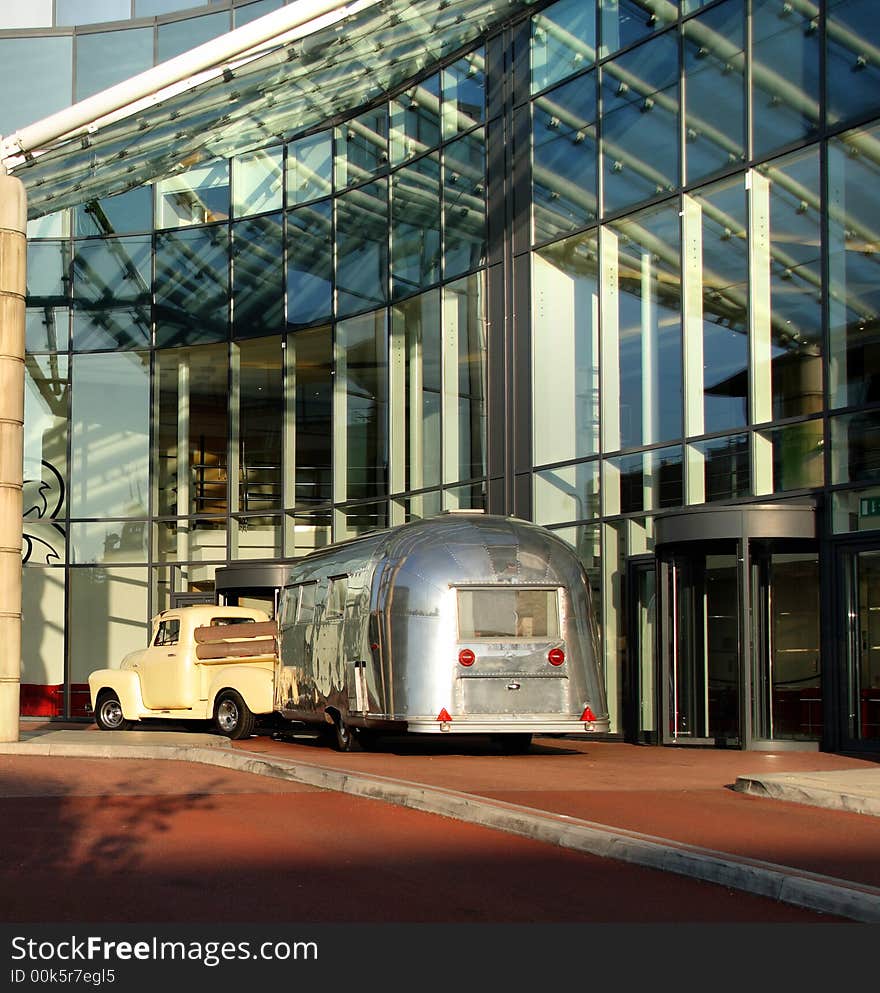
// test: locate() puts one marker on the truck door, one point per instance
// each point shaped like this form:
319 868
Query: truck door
163 676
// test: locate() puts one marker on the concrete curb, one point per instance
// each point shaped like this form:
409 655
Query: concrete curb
812 891
799 789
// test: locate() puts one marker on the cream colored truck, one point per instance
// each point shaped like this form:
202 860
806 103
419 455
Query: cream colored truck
203 663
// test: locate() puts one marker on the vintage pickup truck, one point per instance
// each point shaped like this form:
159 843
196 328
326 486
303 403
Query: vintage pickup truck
202 663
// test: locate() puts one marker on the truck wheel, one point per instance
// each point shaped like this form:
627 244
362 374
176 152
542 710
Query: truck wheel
108 713
232 717
343 739
514 744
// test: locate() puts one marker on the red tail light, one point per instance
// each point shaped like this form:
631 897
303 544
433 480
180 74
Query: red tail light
556 656
588 715
466 657
443 716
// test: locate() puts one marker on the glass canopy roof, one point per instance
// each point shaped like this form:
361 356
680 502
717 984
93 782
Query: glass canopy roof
275 96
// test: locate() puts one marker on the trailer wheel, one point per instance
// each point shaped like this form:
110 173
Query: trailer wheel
343 739
514 744
108 713
232 716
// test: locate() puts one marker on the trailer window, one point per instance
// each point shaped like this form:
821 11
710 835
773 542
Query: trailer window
306 612
336 594
508 614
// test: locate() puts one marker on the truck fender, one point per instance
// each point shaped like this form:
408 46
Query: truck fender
125 684
256 686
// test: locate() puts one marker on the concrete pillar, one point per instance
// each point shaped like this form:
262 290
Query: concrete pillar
13 257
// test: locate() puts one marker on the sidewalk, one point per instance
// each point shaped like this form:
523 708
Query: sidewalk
800 827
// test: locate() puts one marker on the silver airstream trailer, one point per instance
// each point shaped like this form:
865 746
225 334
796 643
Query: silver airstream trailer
458 624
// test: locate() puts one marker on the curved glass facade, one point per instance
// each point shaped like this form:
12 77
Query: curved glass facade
630 274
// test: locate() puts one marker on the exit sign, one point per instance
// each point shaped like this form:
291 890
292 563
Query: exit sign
869 506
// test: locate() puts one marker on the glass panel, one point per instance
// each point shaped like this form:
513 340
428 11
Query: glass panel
307 532
643 481
257 276
796 284
110 437
124 213
726 466
785 74
362 147
464 358
509 615
42 642
420 506
725 278
623 22
257 182
853 38
48 292
470 497
198 196
352 521
649 327
415 120
714 68
55 225
192 286
191 431
309 174
856 510
251 11
190 541
417 391
855 447
863 601
108 57
640 124
563 41
261 407
415 227
112 293
46 396
362 382
564 193
108 617
34 14
362 248
178 37
258 537
148 8
464 93
569 493
854 269
310 357
798 455
109 541
24 60
464 204
309 264
787 688
565 350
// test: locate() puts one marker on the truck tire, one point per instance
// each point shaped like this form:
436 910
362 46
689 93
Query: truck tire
232 716
108 713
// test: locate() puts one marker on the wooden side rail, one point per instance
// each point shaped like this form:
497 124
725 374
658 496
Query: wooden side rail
236 649
227 632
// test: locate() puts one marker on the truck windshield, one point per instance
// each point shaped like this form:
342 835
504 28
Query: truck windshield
509 614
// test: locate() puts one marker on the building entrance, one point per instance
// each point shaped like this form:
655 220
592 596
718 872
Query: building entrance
861 590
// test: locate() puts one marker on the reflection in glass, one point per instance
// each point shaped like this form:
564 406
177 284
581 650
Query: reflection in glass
309 264
75 12
362 147
852 34
415 227
257 182
192 286
785 75
108 57
417 391
563 41
251 11
623 22
55 225
24 61
200 540
42 641
564 194
568 493
415 120
125 213
46 396
854 268
112 293
191 432
47 317
855 447
464 93
257 276
110 435
306 532
798 455
362 248
97 542
257 537
649 327
714 70
310 365
726 466
359 519
643 481
565 350
361 425
472 496
309 173
177 37
260 420
464 204
464 358
197 196
640 124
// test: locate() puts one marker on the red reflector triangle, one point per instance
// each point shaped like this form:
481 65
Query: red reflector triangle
588 715
444 715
